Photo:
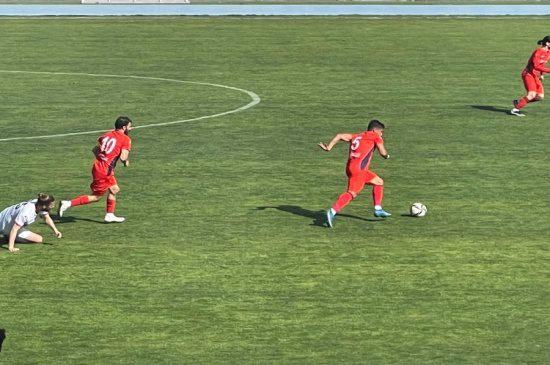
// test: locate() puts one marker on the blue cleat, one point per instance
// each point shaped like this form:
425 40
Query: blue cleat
381 213
330 217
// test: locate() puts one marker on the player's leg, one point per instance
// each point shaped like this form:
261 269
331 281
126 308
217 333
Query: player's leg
79 200
356 182
110 216
531 84
540 93
377 194
537 94
24 236
99 186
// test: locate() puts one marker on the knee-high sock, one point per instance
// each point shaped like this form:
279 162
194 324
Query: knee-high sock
111 203
342 201
523 102
377 194
80 200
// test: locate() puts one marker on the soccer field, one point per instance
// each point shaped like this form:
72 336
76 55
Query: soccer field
223 257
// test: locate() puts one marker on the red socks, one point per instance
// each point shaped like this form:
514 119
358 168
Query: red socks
111 205
522 102
83 199
377 194
80 200
342 201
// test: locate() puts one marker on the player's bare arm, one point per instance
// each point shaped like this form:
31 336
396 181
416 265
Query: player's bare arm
124 155
13 235
382 150
51 224
96 151
339 137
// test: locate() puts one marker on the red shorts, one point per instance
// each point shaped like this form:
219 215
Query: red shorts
532 83
358 179
102 183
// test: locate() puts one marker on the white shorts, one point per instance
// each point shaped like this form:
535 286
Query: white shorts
22 234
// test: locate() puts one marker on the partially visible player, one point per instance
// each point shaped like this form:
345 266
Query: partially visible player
361 150
111 147
532 76
15 219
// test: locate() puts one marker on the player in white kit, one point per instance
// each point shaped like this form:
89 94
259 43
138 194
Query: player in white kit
15 219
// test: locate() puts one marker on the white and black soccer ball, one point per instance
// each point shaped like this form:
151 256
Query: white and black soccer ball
418 210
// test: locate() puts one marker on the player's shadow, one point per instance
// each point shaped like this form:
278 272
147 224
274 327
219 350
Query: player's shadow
2 337
4 243
318 216
72 219
491 108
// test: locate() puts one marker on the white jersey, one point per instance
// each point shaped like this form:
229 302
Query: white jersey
23 214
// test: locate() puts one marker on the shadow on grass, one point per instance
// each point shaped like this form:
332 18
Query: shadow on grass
4 243
318 216
491 108
71 219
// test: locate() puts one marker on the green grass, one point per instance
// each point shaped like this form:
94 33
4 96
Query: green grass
221 259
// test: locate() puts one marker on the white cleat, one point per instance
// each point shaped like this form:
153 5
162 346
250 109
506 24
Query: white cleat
516 111
111 218
63 206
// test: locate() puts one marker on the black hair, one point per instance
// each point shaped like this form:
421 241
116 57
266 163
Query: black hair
122 122
544 40
375 124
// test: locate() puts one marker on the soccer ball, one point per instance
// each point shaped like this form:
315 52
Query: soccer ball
418 210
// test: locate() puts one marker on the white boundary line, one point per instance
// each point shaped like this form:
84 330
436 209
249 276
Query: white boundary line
255 100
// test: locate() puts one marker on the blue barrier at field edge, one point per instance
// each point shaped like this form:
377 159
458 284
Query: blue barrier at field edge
279 10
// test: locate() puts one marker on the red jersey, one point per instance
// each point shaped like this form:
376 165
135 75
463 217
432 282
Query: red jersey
537 62
361 149
110 145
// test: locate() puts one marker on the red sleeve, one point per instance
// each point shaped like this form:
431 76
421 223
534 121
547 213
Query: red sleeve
127 145
538 64
379 140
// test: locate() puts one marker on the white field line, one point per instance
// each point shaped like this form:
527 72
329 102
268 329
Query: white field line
255 100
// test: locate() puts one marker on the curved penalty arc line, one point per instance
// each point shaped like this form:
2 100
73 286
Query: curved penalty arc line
255 100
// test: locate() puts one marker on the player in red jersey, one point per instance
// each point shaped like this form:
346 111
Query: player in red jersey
111 147
532 76
361 150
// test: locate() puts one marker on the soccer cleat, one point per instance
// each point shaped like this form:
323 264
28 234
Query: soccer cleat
111 218
63 206
517 112
381 213
515 102
330 217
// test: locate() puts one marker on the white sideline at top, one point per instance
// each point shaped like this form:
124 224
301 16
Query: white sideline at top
135 1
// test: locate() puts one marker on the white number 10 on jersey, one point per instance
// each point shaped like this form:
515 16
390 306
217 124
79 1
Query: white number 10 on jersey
108 145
